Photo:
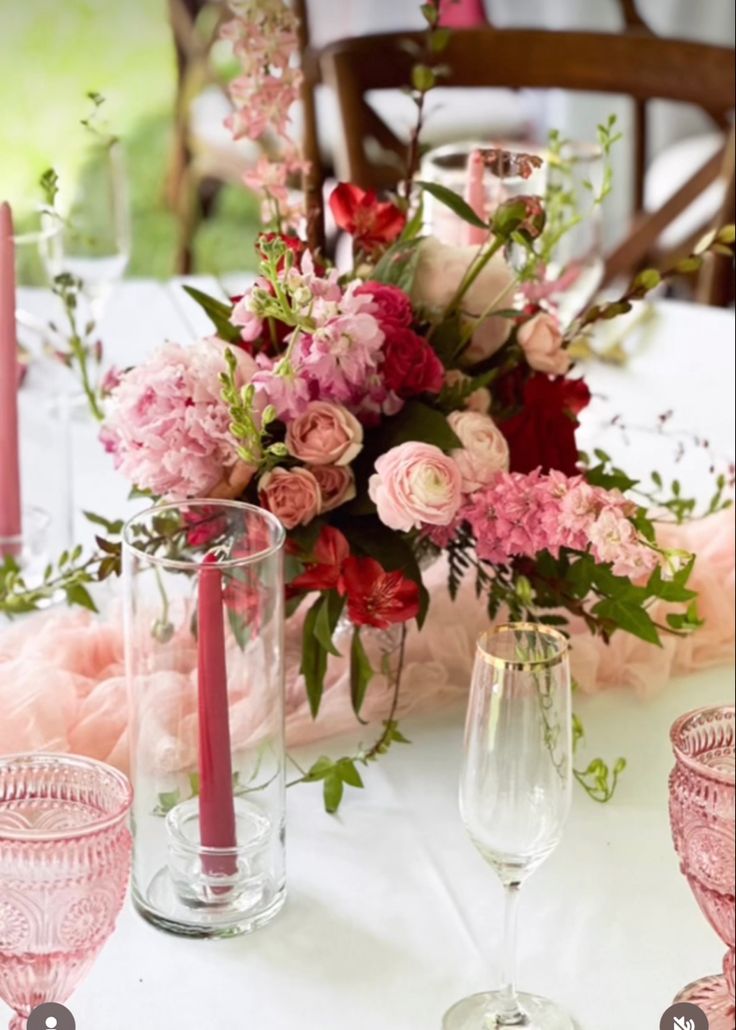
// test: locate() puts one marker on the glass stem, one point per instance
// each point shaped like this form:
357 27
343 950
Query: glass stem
510 1013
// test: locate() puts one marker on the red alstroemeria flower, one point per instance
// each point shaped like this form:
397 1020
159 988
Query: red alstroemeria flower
325 563
376 597
372 223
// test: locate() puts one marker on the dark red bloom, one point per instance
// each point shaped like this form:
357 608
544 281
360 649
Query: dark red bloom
392 304
325 564
204 524
376 597
410 365
371 222
542 434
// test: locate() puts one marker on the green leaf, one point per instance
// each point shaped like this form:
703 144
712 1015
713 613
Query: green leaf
239 628
673 589
431 13
609 478
438 40
361 672
321 768
398 265
327 616
314 659
219 313
630 617
646 280
454 201
348 773
111 526
167 800
333 791
418 421
727 234
78 594
580 576
423 78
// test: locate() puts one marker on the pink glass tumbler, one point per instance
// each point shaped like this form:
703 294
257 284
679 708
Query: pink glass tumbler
65 852
702 818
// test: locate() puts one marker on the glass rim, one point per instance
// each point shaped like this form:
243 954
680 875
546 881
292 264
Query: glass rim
486 654
677 737
433 157
204 502
103 822
28 512
575 152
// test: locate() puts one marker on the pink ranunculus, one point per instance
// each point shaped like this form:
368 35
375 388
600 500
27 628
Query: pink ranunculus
541 340
484 451
336 485
415 484
292 495
326 434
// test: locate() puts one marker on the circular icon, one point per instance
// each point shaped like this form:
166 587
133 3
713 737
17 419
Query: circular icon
51 1016
683 1016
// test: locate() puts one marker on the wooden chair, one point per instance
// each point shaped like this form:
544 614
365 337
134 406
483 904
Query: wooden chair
634 62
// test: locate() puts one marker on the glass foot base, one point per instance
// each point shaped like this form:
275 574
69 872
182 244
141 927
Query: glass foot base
712 995
173 917
481 1012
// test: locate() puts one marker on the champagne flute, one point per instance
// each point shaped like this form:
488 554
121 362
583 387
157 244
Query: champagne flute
515 792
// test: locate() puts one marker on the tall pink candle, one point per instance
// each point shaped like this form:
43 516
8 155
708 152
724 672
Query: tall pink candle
462 14
216 806
10 523
475 195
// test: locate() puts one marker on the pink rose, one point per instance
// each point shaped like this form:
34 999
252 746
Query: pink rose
336 485
326 434
479 400
484 451
541 340
415 484
292 495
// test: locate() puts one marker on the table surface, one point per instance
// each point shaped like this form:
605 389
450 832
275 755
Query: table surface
392 915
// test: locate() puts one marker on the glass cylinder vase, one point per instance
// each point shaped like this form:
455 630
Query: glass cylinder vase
204 657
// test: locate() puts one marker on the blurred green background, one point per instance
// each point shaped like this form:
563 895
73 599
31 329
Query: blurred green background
52 53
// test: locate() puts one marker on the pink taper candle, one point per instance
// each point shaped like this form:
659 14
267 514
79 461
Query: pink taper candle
10 524
462 14
475 195
216 806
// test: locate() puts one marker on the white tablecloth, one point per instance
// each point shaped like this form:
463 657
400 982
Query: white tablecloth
392 915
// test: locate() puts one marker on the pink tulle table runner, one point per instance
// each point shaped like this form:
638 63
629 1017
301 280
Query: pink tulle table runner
62 682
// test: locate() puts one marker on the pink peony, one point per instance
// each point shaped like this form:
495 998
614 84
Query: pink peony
326 434
336 485
484 451
292 495
541 340
167 425
415 484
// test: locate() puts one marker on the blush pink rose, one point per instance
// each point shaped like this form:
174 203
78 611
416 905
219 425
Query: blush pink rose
479 400
541 340
336 485
326 434
484 451
415 484
292 495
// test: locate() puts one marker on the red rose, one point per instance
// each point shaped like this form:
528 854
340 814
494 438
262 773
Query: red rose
410 366
376 597
392 304
542 434
371 222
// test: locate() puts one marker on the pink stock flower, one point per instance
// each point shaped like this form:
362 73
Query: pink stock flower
283 386
326 434
292 495
341 354
541 340
167 424
415 484
484 450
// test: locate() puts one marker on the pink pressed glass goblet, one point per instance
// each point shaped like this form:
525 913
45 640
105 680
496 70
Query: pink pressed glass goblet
702 818
65 851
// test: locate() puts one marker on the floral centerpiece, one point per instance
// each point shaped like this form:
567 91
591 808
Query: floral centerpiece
421 404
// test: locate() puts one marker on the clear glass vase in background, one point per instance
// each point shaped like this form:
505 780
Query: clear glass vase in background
515 792
64 866
204 597
95 238
577 264
448 166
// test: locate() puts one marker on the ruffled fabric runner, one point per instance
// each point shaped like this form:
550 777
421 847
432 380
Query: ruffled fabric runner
62 683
